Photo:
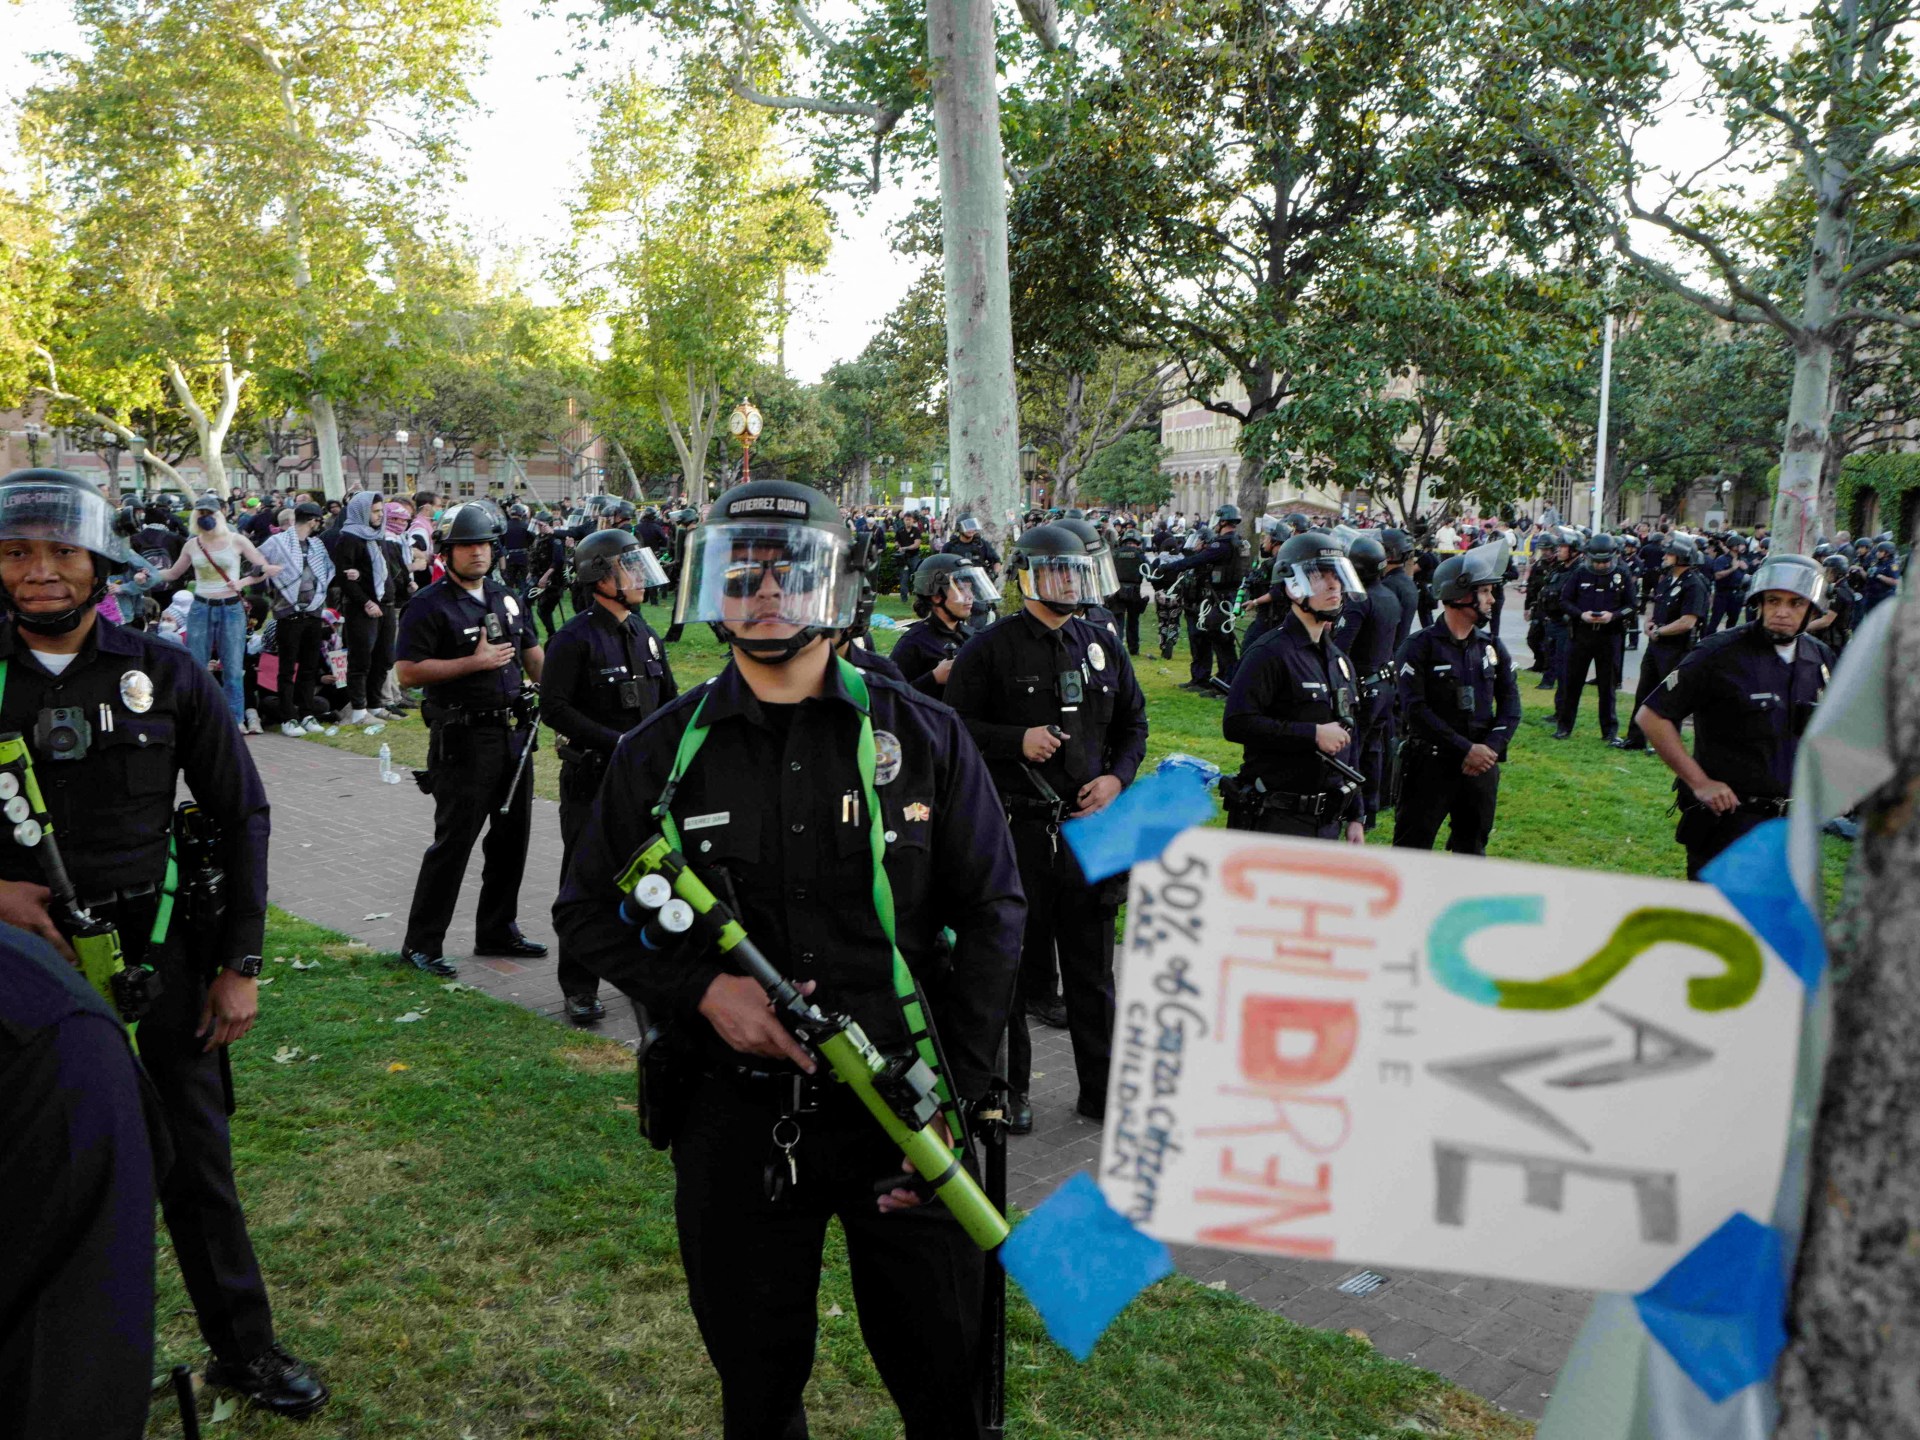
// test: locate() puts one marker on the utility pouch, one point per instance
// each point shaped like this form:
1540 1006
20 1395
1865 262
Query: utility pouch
202 897
666 1083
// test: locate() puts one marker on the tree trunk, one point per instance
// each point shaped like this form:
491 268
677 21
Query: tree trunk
1852 1371
983 436
863 482
1796 504
211 429
1250 485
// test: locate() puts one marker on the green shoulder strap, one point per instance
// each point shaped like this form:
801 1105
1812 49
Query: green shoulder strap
912 1008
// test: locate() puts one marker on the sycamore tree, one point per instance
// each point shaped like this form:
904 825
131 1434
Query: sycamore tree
29 289
1820 104
683 232
251 166
1126 475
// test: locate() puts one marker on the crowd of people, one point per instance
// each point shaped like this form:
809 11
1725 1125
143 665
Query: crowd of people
883 830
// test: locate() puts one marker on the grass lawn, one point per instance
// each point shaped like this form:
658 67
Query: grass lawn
462 1229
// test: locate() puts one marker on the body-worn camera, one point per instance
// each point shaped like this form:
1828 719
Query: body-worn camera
496 631
62 734
1072 687
627 693
1463 697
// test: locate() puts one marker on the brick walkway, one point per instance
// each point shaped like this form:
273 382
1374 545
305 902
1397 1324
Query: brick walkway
352 869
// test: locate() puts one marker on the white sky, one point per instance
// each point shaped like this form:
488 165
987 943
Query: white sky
524 154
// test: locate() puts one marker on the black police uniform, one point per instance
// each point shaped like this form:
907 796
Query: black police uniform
770 814
1219 566
1749 709
1684 592
76 1341
1453 694
976 550
601 677
1365 632
921 648
471 760
1015 676
551 553
1286 687
1266 617
1585 589
864 657
516 547
1729 590
1130 561
1408 594
112 809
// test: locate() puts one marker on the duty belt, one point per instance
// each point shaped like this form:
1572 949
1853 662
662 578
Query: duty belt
1025 807
1312 807
580 755
1775 805
1382 676
466 715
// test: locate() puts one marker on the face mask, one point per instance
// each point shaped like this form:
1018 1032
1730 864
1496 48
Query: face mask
206 521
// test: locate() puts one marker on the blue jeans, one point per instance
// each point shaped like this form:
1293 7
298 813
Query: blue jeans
219 632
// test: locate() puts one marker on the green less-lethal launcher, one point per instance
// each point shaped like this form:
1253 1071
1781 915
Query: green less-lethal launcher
95 942
898 1093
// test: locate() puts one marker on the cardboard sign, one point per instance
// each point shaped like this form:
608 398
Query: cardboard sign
1442 1062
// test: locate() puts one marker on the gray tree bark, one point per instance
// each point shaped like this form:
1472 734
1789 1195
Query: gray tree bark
983 436
1852 1370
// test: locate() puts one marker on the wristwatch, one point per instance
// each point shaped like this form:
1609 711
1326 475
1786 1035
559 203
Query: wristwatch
247 966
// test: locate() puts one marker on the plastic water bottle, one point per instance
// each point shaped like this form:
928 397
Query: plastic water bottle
387 776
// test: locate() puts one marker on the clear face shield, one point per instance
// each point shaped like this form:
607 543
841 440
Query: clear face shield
62 515
1106 574
639 568
1303 584
753 572
969 588
1065 580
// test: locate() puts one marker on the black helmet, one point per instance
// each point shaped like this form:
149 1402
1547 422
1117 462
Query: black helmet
1836 566
1297 522
1368 555
1683 549
1396 543
516 512
68 509
601 553
968 525
770 531
1457 581
930 575
1073 512
1600 549
476 522
1227 515
1052 565
615 511
1106 573
1307 554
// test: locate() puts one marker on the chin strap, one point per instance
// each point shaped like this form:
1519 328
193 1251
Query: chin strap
66 621
770 652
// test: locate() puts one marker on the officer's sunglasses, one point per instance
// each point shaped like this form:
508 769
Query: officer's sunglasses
741 579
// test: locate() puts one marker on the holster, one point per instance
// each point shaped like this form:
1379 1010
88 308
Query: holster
667 1079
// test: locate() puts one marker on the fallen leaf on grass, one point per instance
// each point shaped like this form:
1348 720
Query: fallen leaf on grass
409 1017
454 986
1216 1284
286 1054
266 979
834 1312
306 964
223 1410
396 1068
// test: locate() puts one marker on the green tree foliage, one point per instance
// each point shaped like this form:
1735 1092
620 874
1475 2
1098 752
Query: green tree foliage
1126 475
682 233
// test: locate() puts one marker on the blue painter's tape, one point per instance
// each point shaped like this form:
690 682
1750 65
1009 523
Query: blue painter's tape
1140 823
1721 1310
1081 1262
1753 874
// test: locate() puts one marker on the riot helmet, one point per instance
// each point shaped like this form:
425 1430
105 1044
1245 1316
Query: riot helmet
771 555
1106 572
1051 564
1368 555
1397 544
1682 550
1310 554
616 555
1792 575
61 508
476 522
1226 515
1600 549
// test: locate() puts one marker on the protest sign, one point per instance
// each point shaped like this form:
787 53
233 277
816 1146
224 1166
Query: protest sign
1442 1062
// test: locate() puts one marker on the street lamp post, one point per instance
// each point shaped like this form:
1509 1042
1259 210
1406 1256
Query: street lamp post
138 449
1029 463
33 445
939 476
400 439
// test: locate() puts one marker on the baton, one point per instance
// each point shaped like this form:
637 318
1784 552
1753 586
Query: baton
526 754
189 1410
990 1123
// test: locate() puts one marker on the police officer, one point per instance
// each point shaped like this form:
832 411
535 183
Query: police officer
1397 546
1293 706
1366 631
1130 564
1751 692
972 545
469 642
1634 569
1461 701
604 673
1552 560
1219 566
1595 596
114 719
947 593
780 782
1105 570
654 534
550 565
1682 602
517 544
1882 569
1267 600
1061 720
1729 573
1834 627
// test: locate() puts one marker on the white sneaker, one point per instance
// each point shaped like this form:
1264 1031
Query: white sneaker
293 731
311 726
253 725
358 717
